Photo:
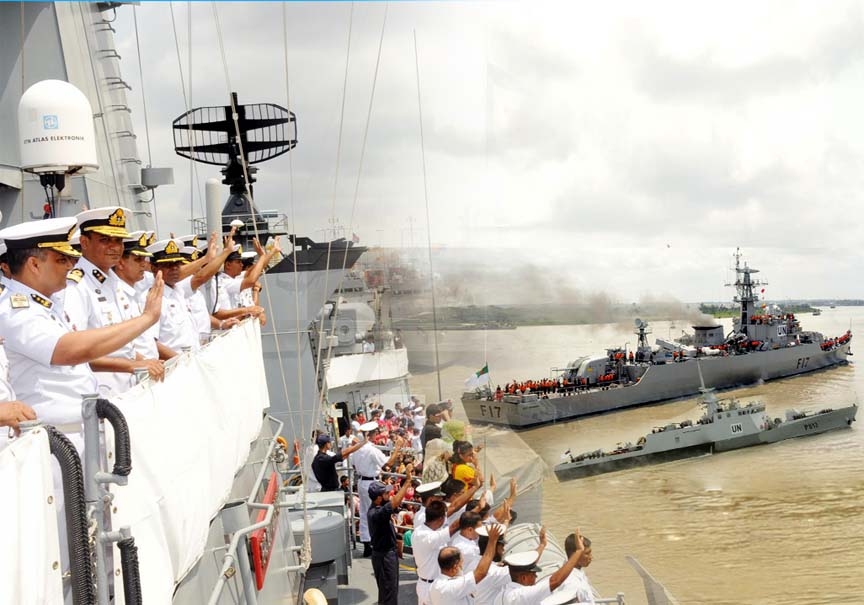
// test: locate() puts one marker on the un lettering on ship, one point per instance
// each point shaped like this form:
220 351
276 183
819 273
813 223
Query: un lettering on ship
737 428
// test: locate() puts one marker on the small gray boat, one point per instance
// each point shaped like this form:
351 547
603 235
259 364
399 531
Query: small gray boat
725 425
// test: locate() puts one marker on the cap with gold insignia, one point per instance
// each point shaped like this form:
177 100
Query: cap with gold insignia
110 220
189 253
236 254
166 251
51 233
189 240
523 561
136 244
75 240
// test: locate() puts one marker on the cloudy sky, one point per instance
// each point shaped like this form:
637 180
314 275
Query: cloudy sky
627 149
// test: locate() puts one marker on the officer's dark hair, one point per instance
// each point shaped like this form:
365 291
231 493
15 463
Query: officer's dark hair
452 486
468 520
483 542
449 557
570 544
16 259
474 505
436 510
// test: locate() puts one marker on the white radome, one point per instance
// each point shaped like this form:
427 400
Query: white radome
55 129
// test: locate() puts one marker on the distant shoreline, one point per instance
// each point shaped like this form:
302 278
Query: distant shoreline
508 317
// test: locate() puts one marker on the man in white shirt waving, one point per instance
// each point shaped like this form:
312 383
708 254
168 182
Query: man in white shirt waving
454 588
523 588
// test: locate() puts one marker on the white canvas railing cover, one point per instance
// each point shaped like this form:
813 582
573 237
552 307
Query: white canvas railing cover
189 436
30 552
365 367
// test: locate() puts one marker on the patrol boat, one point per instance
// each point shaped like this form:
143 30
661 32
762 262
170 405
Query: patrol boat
725 425
760 347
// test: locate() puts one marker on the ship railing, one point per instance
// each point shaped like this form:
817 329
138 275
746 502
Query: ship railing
236 520
169 508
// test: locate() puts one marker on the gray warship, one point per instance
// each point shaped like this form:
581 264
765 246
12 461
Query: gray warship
725 425
760 346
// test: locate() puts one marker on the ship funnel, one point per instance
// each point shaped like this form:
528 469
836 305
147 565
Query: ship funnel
55 129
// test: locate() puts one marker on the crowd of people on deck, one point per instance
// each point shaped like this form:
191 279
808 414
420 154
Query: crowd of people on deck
88 307
419 484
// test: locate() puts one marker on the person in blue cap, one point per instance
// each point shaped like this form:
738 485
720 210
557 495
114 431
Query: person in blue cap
324 464
385 563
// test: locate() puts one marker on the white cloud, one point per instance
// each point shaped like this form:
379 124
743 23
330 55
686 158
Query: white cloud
564 130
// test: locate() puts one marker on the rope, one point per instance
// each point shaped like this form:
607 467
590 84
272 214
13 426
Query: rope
306 553
144 102
359 174
428 222
192 166
320 328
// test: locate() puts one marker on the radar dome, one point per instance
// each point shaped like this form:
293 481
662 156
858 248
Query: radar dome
55 126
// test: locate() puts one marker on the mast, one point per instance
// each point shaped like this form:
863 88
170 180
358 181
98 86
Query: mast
745 286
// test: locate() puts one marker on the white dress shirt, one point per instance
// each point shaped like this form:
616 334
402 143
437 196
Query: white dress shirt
457 590
32 330
176 326
426 544
469 549
91 302
517 594
490 589
130 308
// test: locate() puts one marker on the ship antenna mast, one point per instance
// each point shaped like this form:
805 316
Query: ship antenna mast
709 399
745 287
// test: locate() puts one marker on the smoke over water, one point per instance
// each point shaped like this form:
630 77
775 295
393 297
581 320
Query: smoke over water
499 286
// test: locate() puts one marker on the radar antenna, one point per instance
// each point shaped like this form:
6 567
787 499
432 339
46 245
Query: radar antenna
217 136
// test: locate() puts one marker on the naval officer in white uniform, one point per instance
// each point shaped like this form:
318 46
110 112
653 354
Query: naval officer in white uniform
131 269
177 329
90 299
48 361
368 462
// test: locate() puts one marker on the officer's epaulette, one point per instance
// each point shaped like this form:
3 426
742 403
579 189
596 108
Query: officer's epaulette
75 275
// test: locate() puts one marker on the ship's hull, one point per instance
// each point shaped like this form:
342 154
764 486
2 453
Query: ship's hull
702 439
611 465
659 383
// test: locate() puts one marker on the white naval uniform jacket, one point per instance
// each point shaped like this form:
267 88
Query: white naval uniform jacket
176 326
90 300
32 325
130 308
196 304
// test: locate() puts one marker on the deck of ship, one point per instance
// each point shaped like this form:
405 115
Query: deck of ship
363 591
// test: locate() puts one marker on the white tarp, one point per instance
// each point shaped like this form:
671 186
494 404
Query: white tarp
367 367
189 437
30 551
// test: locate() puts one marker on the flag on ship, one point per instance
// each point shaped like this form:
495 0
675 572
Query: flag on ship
355 238
478 378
